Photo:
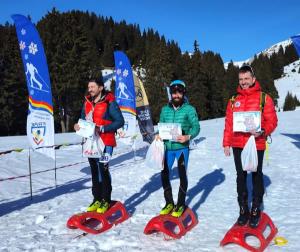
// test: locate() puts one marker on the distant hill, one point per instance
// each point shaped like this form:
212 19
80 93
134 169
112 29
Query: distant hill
289 81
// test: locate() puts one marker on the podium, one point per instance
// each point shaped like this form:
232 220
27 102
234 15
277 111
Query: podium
96 223
237 234
172 226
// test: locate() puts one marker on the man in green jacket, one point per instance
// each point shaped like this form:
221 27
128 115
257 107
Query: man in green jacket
178 111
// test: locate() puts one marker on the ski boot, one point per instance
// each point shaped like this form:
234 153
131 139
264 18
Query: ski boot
178 211
244 215
167 209
104 205
254 217
93 206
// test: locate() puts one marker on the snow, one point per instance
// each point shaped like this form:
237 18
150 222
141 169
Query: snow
236 63
289 82
275 48
40 224
269 51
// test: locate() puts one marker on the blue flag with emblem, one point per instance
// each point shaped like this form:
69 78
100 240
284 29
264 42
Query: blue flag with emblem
125 93
40 123
296 42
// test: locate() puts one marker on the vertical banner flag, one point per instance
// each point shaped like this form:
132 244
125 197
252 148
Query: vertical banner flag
40 124
125 93
296 42
143 111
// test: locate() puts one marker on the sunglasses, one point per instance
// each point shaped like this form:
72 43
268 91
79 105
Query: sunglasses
247 68
177 88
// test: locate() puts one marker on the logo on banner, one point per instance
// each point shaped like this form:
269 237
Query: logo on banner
35 79
138 94
122 86
38 131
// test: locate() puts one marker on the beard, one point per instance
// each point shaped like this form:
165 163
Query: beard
177 102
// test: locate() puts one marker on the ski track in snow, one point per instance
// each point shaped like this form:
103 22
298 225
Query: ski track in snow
40 224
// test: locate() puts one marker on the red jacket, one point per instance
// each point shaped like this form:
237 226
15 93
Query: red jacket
249 100
99 111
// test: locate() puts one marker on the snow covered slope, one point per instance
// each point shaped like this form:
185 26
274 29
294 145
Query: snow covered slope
289 82
40 224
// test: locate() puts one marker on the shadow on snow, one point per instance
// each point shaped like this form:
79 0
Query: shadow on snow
44 195
295 137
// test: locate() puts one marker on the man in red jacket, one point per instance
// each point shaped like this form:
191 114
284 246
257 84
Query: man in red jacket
101 107
249 98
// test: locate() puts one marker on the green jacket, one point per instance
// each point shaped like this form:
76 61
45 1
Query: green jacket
187 116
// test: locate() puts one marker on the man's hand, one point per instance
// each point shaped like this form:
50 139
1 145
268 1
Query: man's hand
227 151
157 138
183 139
76 127
256 134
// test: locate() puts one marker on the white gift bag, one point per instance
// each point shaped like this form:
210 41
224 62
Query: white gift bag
155 154
249 156
93 147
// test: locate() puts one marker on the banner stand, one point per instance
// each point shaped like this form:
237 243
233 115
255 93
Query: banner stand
55 168
30 179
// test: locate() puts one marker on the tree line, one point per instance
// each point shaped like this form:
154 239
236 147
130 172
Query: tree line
77 43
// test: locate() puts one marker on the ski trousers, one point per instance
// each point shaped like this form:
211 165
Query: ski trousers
101 178
241 180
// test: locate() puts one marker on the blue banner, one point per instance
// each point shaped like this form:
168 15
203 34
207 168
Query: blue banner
125 92
296 42
40 125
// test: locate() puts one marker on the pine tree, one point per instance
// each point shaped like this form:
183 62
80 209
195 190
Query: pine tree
196 46
158 76
231 81
289 102
297 102
68 54
263 72
290 54
14 96
277 63
213 67
195 79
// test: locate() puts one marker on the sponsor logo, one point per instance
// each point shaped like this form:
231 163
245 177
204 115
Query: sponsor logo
38 131
237 104
138 94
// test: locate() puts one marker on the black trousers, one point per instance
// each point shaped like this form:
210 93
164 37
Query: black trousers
101 180
165 179
241 180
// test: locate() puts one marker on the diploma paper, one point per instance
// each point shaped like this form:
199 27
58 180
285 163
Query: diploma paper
87 128
246 121
169 131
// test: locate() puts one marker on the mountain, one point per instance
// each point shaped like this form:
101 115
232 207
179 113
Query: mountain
289 81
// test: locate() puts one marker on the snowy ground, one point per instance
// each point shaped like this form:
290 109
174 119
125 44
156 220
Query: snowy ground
40 224
290 82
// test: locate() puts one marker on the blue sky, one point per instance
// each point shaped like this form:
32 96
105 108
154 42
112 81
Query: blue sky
235 29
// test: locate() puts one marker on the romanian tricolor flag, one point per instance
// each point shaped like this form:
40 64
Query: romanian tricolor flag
40 123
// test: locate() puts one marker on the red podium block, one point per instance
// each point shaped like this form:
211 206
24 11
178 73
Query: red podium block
95 223
172 226
237 234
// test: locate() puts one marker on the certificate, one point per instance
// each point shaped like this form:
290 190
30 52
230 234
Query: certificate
87 128
246 121
169 131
